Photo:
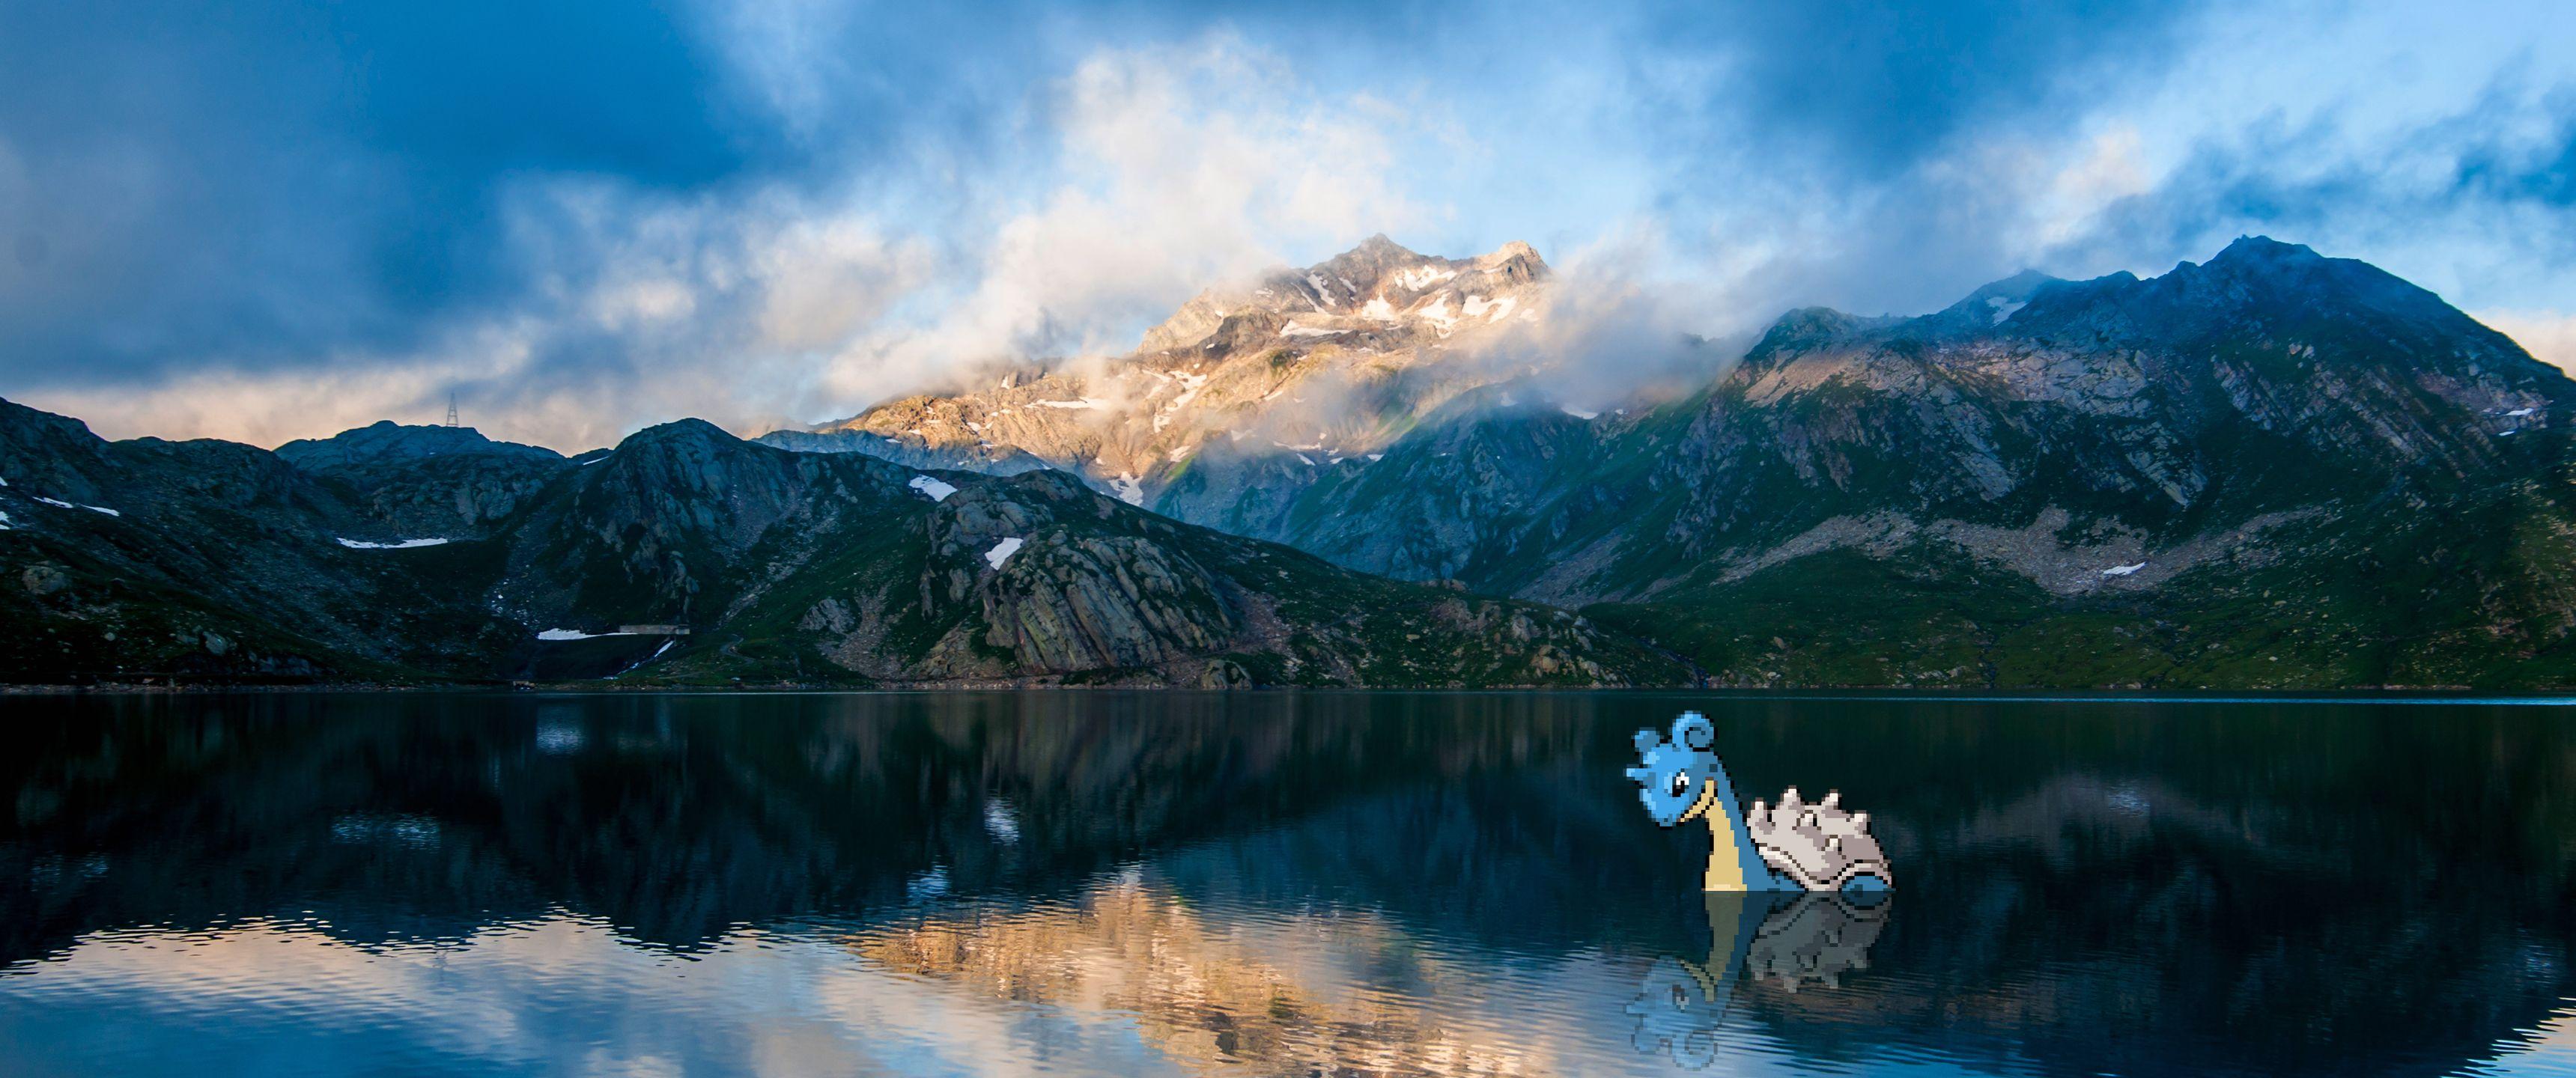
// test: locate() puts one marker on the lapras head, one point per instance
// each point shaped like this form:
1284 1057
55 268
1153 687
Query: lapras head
1674 774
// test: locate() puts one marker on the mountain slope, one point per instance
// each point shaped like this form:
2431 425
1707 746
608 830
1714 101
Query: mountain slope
200 557
689 555
2250 472
1295 371
428 480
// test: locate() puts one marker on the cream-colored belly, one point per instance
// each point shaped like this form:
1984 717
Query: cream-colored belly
1725 872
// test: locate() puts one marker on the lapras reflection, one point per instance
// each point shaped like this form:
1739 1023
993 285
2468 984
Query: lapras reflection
1756 938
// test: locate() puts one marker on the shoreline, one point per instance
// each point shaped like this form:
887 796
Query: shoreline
2563 697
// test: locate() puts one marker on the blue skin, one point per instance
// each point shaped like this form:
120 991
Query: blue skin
1680 778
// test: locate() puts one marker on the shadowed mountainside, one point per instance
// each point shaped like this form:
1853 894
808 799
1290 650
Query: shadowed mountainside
687 555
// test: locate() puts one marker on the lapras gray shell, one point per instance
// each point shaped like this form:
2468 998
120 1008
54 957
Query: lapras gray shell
1820 846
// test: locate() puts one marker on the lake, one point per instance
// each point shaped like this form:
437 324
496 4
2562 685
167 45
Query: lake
1269 884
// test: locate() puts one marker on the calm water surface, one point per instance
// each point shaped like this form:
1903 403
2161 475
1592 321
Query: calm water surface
1265 884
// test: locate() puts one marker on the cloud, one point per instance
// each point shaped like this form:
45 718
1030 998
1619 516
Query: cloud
2550 336
639 309
774 304
1873 89
594 216
1181 167
276 185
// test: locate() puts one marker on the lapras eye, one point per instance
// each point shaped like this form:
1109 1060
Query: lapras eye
1681 783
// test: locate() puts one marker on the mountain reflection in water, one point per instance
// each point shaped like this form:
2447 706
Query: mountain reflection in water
1267 884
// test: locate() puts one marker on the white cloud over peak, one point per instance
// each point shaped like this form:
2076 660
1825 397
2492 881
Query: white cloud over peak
1179 167
2550 336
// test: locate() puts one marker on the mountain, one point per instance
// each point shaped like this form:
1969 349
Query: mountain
2273 469
429 480
1280 379
686 555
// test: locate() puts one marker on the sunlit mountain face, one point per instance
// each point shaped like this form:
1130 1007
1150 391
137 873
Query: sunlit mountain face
2274 470
1388 883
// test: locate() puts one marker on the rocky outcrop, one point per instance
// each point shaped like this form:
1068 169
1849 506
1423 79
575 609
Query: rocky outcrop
1287 376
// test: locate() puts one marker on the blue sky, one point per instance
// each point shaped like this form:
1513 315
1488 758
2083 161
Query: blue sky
580 218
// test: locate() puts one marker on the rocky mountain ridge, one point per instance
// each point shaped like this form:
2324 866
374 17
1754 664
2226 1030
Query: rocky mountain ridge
2271 470
687 556
2086 470
2243 472
1297 370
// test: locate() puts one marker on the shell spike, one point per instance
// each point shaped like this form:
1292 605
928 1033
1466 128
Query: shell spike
1833 799
1860 821
1790 799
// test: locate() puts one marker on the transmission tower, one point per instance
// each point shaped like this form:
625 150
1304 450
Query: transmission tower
451 409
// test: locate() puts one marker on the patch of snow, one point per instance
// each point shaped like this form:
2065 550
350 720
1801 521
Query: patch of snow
4 482
1376 457
1295 330
1379 309
1178 454
1421 277
934 489
1130 488
638 664
2123 570
1309 461
1508 402
1002 551
2003 308
1191 384
1347 286
2514 414
1477 305
1323 287
597 459
574 634
1438 314
1578 413
61 504
2504 433
1076 404
398 544
4 522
